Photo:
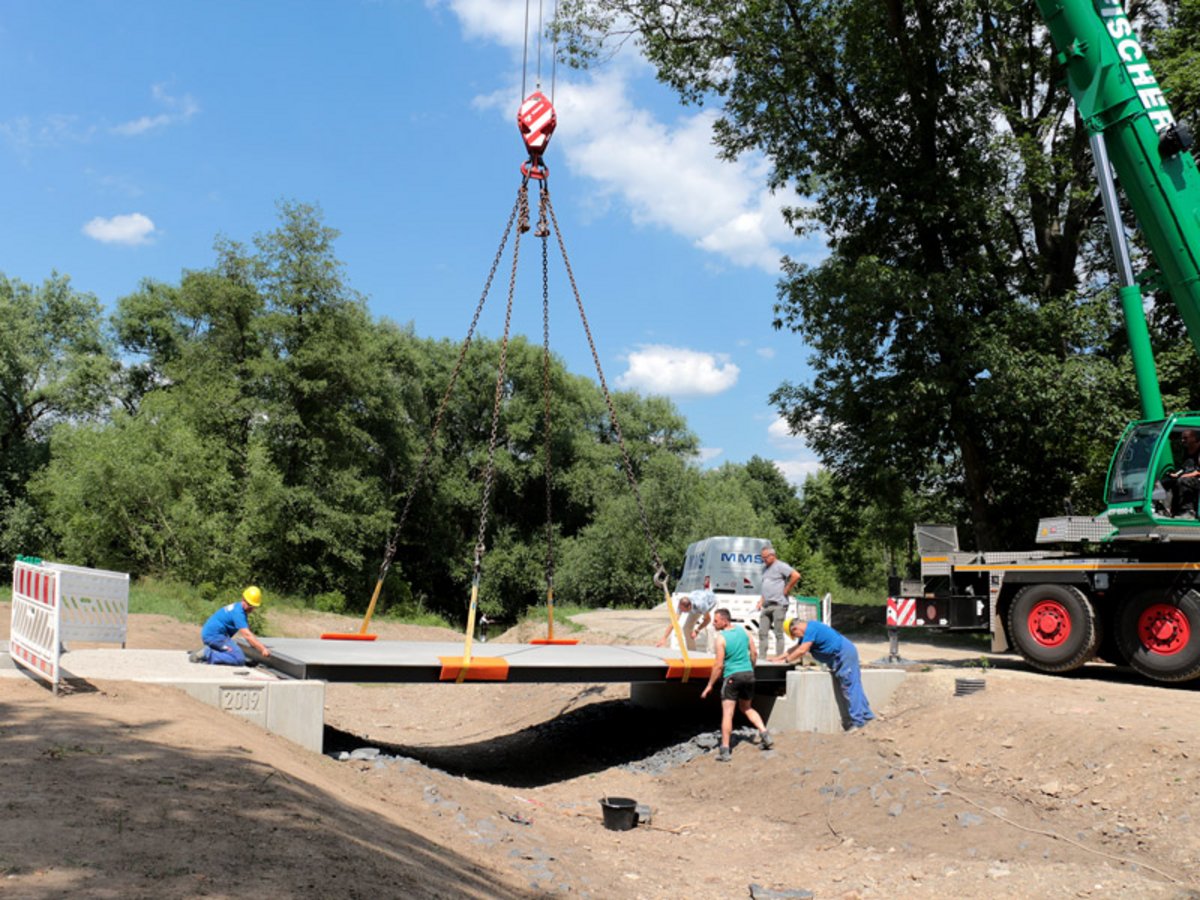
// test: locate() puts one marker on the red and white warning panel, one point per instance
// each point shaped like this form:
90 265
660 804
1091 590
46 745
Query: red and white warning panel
53 603
901 612
34 629
536 120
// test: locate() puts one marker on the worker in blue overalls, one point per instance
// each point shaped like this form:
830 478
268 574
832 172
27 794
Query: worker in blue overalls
223 626
829 647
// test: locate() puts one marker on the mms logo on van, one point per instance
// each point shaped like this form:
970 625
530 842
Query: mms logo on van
742 558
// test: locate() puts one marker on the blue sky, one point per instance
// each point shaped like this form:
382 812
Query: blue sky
132 133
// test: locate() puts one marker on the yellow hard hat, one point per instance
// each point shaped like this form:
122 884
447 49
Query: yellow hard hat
252 595
787 626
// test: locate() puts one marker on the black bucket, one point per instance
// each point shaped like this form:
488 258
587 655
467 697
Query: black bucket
620 813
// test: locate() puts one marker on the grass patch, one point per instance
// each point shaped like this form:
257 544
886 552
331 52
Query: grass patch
413 614
536 615
195 603
176 599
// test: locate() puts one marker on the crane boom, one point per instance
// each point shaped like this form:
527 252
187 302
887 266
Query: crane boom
1118 96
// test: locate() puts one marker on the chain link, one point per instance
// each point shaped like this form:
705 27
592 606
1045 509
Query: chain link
543 231
489 473
394 541
660 572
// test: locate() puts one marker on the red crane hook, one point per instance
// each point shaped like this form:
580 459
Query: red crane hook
536 120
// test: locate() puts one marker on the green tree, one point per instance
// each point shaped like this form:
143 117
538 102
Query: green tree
953 185
277 408
55 366
144 494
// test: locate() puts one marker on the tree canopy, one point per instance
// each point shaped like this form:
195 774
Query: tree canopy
965 343
254 422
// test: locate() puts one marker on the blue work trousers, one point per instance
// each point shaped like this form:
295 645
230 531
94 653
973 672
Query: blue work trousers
224 652
845 667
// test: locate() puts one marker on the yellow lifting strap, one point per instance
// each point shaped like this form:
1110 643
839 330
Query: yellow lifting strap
550 638
470 636
687 662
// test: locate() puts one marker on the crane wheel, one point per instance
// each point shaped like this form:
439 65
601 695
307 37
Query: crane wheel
1159 633
1053 626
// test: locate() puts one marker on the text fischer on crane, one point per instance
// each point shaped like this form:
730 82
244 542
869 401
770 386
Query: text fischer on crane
536 120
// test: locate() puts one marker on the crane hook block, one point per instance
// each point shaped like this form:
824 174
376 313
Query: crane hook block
536 120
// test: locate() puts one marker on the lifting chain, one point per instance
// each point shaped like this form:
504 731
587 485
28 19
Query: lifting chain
489 472
543 232
660 572
521 204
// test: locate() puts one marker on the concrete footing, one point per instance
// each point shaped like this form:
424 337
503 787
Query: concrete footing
812 700
291 709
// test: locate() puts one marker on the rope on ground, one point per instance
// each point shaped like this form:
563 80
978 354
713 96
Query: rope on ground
1053 835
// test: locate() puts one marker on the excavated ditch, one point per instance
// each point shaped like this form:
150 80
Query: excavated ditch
594 738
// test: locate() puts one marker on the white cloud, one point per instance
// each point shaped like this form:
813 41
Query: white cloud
131 229
798 463
25 135
780 433
796 470
667 175
708 454
678 371
766 352
175 109
499 21
663 174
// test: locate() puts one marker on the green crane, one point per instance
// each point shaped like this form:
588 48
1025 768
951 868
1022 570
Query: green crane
1131 126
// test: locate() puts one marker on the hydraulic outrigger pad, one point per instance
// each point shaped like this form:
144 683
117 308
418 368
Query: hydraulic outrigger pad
536 120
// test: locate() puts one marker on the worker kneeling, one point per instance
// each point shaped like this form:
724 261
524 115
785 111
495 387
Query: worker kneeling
223 626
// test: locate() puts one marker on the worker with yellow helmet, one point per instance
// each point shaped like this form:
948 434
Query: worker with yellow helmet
830 647
227 623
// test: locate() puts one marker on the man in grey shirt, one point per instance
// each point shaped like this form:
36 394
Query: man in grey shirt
778 580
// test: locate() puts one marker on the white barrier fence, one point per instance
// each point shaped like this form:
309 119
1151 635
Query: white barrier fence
53 603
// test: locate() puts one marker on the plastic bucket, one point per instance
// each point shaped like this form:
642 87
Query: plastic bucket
620 813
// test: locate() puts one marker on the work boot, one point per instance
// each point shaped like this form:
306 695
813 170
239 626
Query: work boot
767 741
198 656
724 755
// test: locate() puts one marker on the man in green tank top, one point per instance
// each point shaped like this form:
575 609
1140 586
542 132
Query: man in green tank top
734 665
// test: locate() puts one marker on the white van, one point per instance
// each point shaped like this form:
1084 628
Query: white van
731 567
725 565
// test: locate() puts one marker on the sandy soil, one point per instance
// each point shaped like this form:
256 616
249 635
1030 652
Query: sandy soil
1036 787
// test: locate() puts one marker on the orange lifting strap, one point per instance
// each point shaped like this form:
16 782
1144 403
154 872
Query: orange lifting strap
482 668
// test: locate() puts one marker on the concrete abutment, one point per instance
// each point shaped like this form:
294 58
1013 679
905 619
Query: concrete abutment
811 701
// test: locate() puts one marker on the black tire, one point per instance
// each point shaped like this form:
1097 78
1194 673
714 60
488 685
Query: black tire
1158 631
1053 626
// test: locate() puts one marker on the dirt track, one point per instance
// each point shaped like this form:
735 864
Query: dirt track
1038 786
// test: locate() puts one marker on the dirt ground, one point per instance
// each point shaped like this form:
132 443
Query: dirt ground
1037 786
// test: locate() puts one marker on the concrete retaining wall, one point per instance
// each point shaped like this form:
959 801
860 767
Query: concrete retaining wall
812 701
291 709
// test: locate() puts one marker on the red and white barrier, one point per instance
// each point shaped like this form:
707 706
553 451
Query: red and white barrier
33 640
53 603
901 612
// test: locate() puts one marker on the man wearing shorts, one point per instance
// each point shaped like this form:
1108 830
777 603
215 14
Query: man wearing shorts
734 665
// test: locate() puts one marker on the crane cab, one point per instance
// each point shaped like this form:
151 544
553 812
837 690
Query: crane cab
1147 500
